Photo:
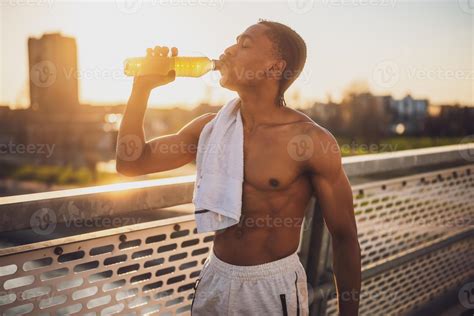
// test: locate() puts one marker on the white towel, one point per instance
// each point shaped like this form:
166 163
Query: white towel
217 195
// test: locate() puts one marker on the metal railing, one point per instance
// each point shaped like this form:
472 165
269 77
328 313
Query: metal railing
141 255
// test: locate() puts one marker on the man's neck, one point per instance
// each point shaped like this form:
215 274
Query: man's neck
258 108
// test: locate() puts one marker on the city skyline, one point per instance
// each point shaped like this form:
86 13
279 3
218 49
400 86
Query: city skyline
433 61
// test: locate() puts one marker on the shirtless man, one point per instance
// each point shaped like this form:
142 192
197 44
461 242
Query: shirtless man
287 158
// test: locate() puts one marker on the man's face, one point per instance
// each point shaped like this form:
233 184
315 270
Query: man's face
247 62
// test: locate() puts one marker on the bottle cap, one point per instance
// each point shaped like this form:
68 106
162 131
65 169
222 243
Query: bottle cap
216 64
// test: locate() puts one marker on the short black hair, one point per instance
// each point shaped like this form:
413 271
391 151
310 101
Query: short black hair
291 47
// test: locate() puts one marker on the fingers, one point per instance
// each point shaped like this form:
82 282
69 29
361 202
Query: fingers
162 51
157 51
174 51
149 52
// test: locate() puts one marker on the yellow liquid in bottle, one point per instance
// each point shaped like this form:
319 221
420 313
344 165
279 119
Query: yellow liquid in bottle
184 66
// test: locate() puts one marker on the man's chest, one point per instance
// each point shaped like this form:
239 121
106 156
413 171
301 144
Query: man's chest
268 163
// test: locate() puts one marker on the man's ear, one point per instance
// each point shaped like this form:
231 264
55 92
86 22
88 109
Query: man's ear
276 69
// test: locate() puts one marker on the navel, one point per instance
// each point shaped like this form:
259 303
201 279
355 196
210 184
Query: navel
273 182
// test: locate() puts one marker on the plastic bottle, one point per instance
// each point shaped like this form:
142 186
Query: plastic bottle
184 66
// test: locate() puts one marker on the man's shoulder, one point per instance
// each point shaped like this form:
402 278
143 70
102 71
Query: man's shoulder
306 126
195 127
322 150
205 118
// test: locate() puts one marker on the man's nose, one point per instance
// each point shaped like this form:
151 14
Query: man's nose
229 51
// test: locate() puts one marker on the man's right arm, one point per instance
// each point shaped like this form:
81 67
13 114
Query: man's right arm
162 153
134 155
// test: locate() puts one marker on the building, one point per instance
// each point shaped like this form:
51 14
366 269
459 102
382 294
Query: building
53 72
411 114
77 134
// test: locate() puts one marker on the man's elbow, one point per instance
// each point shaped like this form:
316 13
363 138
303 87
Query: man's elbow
126 169
347 238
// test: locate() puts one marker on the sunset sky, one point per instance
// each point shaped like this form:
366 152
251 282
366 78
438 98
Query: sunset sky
420 47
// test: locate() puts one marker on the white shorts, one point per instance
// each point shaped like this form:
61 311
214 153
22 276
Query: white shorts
274 288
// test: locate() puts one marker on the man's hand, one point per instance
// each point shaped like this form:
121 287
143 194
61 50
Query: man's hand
146 83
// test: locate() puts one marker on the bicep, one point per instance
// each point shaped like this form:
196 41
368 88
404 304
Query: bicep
334 195
331 186
167 152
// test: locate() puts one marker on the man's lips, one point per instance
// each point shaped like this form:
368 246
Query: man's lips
223 60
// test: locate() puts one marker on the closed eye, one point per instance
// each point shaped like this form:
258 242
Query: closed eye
244 39
245 44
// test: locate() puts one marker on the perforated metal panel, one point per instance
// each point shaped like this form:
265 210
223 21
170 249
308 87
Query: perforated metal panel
150 268
405 213
151 271
410 285
399 217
